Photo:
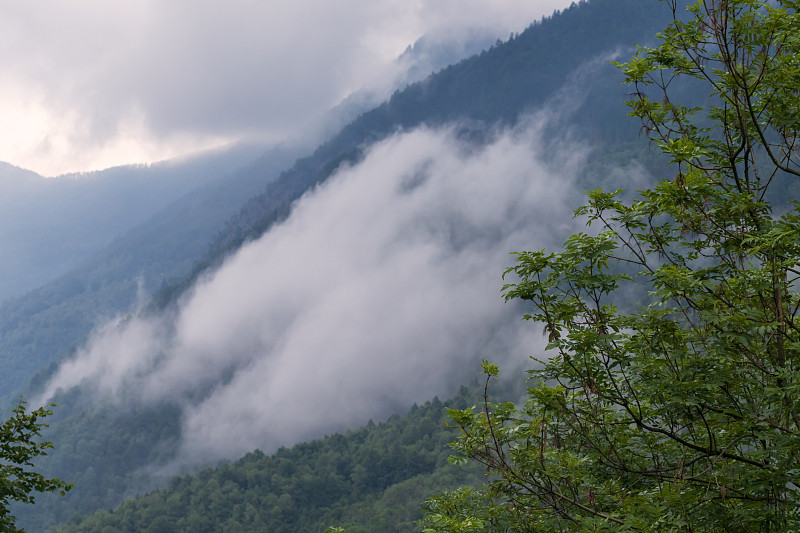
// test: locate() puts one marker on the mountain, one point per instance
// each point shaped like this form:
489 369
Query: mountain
49 226
428 54
43 325
110 446
495 87
104 260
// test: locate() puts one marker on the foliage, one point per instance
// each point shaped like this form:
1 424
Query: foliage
685 414
19 446
370 479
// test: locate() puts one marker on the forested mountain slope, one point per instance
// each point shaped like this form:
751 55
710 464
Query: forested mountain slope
370 479
41 327
494 87
524 74
49 226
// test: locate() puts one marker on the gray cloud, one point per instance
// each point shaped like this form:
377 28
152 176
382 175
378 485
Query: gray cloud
382 288
132 78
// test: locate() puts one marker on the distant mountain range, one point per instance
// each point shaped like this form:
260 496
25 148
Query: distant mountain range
50 225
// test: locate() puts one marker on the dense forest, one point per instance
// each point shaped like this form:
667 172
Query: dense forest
369 479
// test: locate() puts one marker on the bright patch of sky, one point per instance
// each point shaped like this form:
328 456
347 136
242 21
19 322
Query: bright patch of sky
89 84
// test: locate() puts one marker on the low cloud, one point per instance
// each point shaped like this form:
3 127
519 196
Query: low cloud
381 289
90 83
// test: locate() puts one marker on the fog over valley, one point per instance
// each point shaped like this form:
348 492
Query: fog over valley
382 287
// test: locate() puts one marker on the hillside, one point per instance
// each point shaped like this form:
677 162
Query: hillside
557 65
497 86
43 325
369 479
49 226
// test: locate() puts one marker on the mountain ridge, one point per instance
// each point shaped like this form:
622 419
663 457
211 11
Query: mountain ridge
402 111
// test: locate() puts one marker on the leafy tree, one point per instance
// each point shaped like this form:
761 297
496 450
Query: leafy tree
19 446
683 415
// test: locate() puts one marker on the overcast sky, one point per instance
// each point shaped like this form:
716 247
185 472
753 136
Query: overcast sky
89 84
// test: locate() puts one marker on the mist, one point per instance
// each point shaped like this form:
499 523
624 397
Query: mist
381 289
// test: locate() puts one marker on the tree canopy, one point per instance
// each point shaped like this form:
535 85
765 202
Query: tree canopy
370 479
681 413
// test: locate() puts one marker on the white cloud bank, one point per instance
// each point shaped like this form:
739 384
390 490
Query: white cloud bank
93 83
382 288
